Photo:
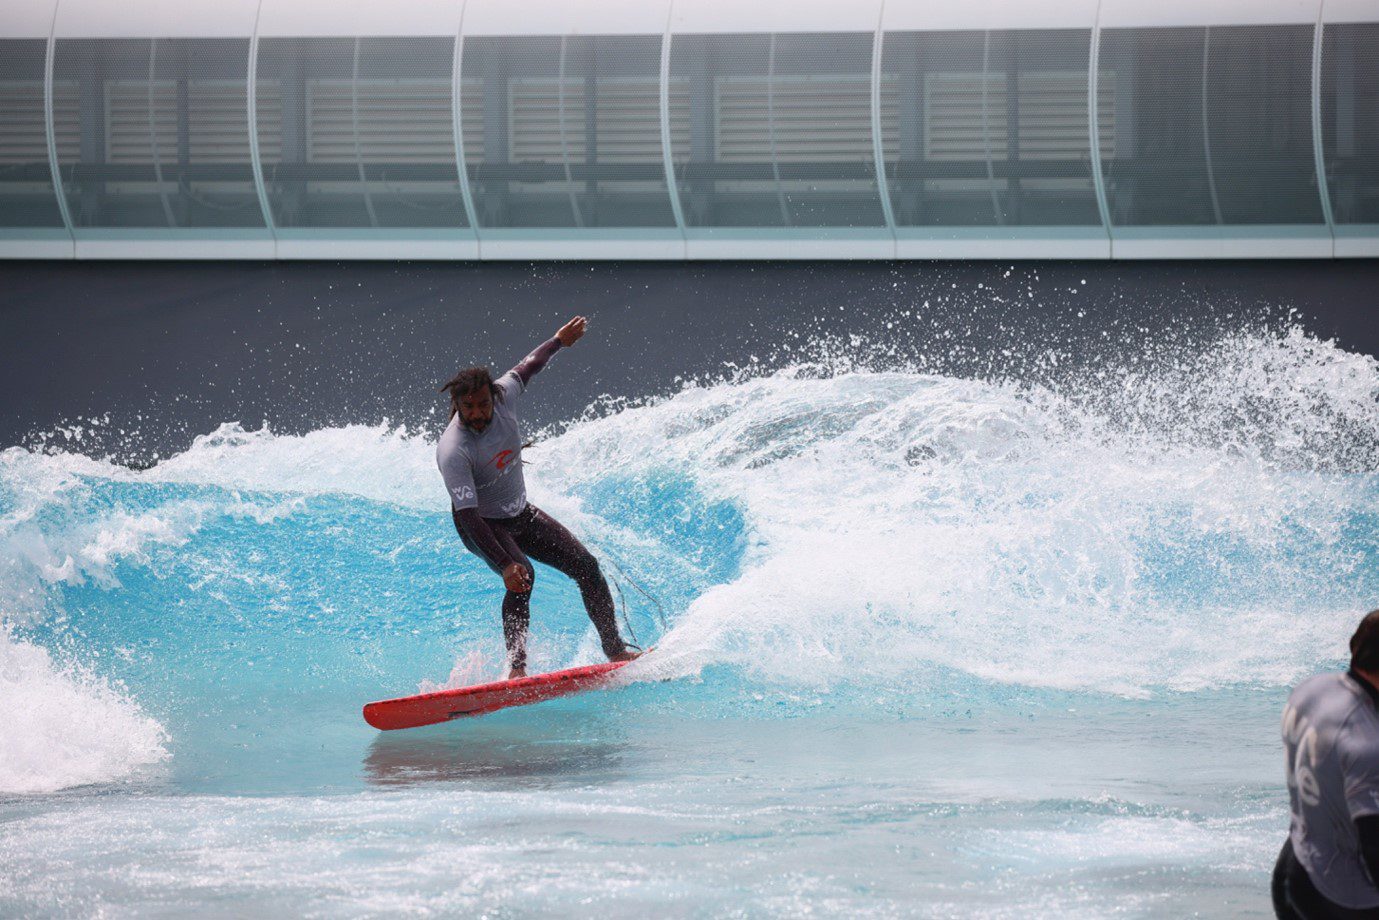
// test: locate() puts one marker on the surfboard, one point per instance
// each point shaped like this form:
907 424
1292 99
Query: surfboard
444 705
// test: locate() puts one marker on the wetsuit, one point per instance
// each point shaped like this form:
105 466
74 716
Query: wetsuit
488 501
1329 864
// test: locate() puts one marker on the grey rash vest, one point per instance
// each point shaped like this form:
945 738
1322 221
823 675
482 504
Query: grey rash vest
483 470
1331 739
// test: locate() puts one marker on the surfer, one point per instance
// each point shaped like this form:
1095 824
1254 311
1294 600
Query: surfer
1330 862
480 458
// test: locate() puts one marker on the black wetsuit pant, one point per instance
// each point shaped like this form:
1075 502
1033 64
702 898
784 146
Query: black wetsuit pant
1296 898
535 534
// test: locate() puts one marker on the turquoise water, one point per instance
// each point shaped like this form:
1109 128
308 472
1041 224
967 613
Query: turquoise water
926 646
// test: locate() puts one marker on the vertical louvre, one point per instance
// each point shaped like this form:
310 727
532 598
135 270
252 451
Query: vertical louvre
989 128
23 138
1051 118
359 132
802 133
130 126
154 133
627 112
966 116
779 131
398 121
1050 124
472 118
66 109
570 131
217 123
547 120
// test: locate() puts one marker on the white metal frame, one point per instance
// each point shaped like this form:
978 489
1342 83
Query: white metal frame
878 148
55 174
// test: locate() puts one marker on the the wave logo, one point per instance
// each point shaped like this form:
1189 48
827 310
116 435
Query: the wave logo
503 458
462 493
1300 739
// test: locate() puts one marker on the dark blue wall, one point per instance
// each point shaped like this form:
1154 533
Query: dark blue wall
171 350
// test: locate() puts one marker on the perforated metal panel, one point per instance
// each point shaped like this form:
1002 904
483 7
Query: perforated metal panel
570 131
1207 136
1350 120
27 197
989 128
1213 126
154 132
779 130
359 132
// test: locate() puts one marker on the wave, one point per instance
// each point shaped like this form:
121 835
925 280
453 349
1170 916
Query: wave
1184 520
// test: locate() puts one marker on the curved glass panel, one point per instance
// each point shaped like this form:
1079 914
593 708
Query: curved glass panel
1350 121
1212 126
1259 111
988 128
569 131
154 132
27 197
778 130
359 132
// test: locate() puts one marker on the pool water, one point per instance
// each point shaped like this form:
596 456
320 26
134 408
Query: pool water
926 646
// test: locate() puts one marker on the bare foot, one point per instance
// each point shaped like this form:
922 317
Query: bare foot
626 655
515 673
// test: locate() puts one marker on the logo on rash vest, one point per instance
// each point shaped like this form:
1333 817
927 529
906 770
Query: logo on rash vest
502 459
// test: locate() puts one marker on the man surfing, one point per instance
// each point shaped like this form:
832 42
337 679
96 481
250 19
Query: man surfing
480 458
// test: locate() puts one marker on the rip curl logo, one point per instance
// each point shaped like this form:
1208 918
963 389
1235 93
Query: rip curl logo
502 459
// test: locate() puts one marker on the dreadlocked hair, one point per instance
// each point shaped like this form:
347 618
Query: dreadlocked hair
467 381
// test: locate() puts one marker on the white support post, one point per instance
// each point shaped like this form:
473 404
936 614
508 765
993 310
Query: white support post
1318 151
457 114
1094 122
48 128
252 98
667 153
878 149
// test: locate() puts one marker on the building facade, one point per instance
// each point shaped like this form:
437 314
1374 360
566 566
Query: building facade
689 129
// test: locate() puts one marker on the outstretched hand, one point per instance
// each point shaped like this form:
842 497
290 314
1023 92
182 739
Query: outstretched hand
573 331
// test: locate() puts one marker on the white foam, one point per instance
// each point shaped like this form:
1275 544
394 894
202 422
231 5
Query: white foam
901 524
1243 842
908 525
379 462
65 727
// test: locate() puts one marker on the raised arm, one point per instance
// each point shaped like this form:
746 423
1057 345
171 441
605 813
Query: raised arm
531 365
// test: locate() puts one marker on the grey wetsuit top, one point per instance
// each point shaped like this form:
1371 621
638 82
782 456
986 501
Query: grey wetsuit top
484 470
1331 739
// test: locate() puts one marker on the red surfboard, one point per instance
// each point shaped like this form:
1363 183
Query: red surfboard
444 705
